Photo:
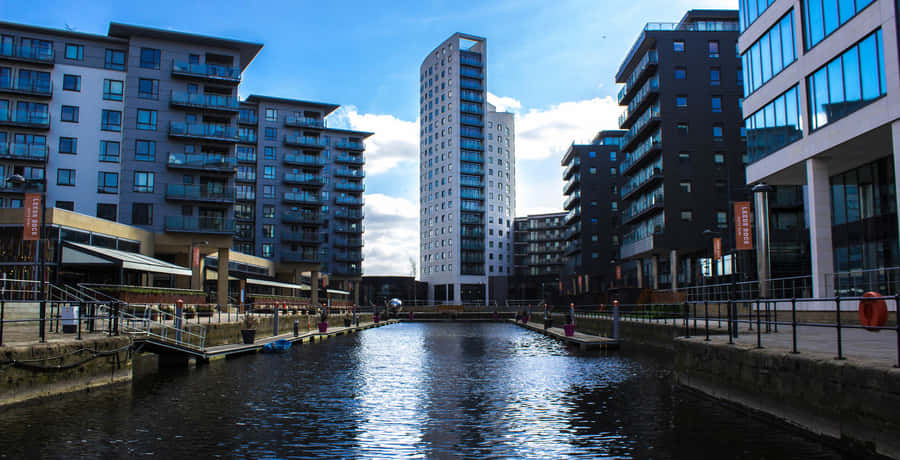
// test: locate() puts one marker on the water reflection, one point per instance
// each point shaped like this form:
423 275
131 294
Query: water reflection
407 390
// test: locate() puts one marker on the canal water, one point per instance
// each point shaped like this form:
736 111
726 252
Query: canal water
416 390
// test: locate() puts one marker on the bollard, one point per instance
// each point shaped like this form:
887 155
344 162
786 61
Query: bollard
758 330
616 320
687 321
837 308
2 315
794 323
706 318
296 327
730 324
179 311
275 321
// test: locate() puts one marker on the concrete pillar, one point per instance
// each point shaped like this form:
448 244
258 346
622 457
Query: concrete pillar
196 273
818 198
895 133
654 272
222 284
355 284
673 269
640 273
314 284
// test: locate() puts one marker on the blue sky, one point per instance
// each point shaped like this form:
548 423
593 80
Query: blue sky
550 62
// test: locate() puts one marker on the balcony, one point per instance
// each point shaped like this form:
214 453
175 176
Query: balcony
202 162
471 120
471 181
310 218
301 237
28 87
643 151
636 106
304 179
347 269
572 200
345 242
470 59
349 187
471 73
208 225
350 159
646 65
472 245
639 246
213 102
351 173
348 256
303 198
573 166
25 119
305 141
471 219
572 247
247 137
639 209
28 54
572 232
248 119
300 257
304 122
650 118
203 131
476 232
305 160
201 193
471 194
572 215
571 184
467 107
349 214
29 152
348 145
348 200
468 84
641 182
348 228
472 206
467 168
211 72
472 157
466 96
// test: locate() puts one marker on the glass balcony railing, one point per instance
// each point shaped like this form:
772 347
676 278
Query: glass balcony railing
26 118
311 257
303 197
205 101
345 242
643 204
304 122
305 160
472 206
348 256
248 118
18 151
201 224
348 228
471 194
472 157
640 152
470 59
187 192
572 199
349 200
345 213
304 179
471 180
471 73
303 217
29 87
305 141
649 60
651 86
471 97
211 71
349 186
471 108
469 84
573 165
347 269
203 131
469 168
650 115
350 159
472 245
471 145
347 172
571 215
203 161
44 55
471 120
347 145
302 237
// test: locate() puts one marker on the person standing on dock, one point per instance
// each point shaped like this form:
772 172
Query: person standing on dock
571 319
548 319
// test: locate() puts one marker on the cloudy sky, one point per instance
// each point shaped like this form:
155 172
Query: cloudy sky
551 63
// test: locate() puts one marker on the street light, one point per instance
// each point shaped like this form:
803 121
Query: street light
761 202
17 180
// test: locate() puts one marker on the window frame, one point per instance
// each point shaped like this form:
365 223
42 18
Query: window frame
108 94
69 174
72 78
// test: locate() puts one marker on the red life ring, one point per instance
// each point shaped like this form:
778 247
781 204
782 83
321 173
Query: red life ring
873 311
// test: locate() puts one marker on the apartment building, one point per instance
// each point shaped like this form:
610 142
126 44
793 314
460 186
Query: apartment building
538 246
467 177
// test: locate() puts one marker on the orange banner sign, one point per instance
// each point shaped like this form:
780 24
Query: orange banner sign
196 257
717 248
32 217
618 272
743 235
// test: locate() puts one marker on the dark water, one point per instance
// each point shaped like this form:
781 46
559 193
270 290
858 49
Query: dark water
406 390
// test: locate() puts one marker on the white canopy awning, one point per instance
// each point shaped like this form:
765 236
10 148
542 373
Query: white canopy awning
302 287
83 254
338 291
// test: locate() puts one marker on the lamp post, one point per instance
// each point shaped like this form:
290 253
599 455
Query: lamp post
16 180
761 202
201 279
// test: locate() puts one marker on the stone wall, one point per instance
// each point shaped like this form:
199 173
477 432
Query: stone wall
226 333
46 369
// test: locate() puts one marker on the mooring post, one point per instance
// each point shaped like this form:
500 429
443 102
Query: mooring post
179 311
275 321
616 320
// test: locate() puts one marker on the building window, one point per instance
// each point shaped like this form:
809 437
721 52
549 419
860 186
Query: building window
687 216
143 182
142 214
717 132
271 115
146 119
145 150
69 113
113 90
612 156
271 133
719 158
823 18
148 88
685 186
592 154
149 58
267 250
74 52
766 58
268 230
775 125
115 60
684 156
268 172
680 73
107 182
106 211
67 205
109 151
713 48
752 9
111 120
68 145
721 219
715 76
716 104
65 177
592 171
269 211
268 191
613 171
682 129
678 46
848 82
681 101
269 153
72 82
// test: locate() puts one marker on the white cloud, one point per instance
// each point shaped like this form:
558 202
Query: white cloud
542 133
395 141
391 236
503 104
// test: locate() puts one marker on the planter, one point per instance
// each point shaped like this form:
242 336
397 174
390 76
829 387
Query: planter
249 336
524 319
323 327
347 322
411 315
376 319
570 329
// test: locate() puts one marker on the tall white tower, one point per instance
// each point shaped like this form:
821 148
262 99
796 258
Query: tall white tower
467 177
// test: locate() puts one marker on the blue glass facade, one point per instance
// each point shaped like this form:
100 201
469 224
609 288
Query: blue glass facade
772 127
752 9
848 82
774 51
822 17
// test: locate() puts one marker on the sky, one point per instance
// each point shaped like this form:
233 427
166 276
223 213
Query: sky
552 63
